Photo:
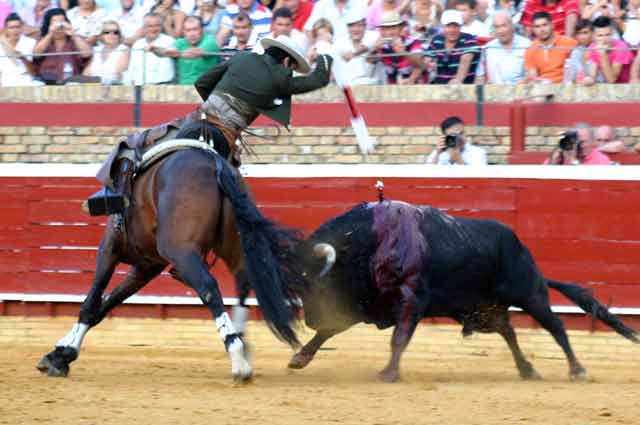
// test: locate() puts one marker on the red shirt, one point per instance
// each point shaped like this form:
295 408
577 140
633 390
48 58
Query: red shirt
558 12
301 16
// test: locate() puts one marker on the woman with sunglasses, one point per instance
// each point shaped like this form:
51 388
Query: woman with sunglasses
110 57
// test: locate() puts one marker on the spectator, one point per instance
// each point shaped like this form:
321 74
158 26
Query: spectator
195 52
240 36
301 10
16 49
378 7
594 9
634 76
578 147
544 59
259 15
563 15
605 65
172 17
334 11
606 140
57 35
86 19
485 16
425 18
453 148
354 48
321 38
130 19
32 17
470 25
282 24
211 15
146 67
110 58
453 66
402 58
5 10
503 56
631 23
576 67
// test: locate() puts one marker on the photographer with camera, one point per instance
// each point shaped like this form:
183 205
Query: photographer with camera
453 148
578 147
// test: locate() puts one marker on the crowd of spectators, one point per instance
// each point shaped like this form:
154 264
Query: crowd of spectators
382 41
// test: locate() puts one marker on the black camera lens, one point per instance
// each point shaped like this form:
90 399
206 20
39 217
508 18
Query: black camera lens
451 140
568 141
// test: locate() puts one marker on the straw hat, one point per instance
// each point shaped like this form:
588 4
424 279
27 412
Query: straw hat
390 19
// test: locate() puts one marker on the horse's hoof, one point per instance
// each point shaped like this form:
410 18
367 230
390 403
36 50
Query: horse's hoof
241 378
578 375
299 360
61 371
531 376
389 375
44 364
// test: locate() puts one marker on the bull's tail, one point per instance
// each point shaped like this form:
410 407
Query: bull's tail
590 305
262 242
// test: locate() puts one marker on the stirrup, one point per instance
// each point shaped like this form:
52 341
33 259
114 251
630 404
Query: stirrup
105 202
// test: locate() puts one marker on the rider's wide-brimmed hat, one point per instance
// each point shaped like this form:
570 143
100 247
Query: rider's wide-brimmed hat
292 48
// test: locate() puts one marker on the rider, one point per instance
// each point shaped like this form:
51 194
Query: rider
234 92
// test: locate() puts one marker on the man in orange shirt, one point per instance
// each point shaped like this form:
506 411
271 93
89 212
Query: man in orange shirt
544 59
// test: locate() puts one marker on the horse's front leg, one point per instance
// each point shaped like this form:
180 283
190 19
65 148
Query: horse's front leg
195 273
56 363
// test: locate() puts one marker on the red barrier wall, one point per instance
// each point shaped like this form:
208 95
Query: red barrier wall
584 231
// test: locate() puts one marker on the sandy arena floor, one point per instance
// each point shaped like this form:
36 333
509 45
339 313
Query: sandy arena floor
190 385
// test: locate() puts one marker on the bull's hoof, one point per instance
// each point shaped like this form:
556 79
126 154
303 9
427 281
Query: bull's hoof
389 375
531 375
578 375
299 360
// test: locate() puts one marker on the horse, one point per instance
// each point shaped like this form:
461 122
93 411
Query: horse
183 207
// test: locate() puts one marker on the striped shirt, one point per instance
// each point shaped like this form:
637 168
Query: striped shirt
558 12
447 62
260 19
396 67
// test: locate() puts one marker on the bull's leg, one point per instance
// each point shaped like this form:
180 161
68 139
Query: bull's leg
194 272
524 366
306 353
56 363
406 323
552 323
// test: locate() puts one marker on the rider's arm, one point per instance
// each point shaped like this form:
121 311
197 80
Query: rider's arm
318 78
208 81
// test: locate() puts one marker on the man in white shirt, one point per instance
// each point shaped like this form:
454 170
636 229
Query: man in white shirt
146 67
16 52
334 11
354 49
130 18
470 25
282 24
503 57
454 149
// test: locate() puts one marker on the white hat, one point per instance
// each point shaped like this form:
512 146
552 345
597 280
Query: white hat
390 19
451 16
287 44
354 16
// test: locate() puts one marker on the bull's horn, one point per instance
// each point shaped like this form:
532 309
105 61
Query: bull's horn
329 253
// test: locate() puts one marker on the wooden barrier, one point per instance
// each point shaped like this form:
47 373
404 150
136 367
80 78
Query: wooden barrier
581 223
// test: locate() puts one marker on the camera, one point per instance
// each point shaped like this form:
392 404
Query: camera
568 141
451 140
60 26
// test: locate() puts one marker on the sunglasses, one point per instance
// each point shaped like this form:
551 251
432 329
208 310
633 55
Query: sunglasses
114 32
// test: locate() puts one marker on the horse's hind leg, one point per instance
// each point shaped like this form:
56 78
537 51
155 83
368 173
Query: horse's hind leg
56 363
194 273
240 312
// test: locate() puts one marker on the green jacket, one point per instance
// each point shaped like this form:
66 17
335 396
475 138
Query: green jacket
262 83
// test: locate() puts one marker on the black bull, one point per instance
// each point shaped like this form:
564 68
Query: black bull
393 264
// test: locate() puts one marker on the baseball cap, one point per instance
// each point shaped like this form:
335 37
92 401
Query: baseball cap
451 16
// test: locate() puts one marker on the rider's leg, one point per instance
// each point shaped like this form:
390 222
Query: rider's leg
114 200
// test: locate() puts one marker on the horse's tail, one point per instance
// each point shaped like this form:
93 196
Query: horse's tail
590 305
264 245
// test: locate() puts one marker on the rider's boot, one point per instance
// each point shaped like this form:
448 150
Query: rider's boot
109 201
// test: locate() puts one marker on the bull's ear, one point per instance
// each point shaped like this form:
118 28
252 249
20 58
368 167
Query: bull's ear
327 252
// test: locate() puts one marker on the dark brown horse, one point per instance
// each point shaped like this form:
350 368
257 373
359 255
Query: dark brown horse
185 206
